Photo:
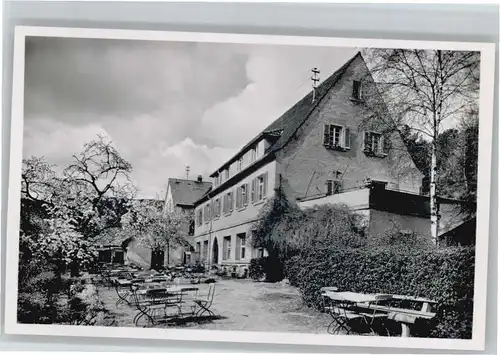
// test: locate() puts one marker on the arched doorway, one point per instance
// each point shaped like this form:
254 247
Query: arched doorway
215 252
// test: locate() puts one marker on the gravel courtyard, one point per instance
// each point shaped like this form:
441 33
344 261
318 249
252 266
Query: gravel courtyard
243 305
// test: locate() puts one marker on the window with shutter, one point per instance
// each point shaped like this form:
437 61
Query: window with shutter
356 90
332 136
230 201
374 144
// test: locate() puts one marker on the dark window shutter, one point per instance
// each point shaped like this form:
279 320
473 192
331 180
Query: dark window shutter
326 135
253 190
264 189
347 138
356 89
238 197
367 142
387 144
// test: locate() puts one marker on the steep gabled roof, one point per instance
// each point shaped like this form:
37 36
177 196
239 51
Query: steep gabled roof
187 192
295 117
288 123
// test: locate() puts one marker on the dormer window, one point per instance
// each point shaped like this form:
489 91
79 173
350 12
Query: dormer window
253 154
356 90
336 137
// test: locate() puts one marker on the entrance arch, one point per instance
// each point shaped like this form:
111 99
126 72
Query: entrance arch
215 252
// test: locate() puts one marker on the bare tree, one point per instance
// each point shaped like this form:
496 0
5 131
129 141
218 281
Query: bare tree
424 90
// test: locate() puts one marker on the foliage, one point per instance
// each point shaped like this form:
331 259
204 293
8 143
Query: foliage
63 214
267 268
444 275
45 297
284 229
422 90
154 228
457 156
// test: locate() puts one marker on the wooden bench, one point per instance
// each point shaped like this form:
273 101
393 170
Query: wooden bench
403 316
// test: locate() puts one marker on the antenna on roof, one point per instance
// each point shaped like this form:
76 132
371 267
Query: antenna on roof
187 172
315 80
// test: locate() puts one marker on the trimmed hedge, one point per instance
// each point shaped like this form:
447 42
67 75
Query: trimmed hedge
444 275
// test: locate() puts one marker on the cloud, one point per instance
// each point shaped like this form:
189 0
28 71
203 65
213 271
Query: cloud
163 104
279 77
57 141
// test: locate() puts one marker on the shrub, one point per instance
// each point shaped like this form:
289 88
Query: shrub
444 275
256 268
266 267
47 297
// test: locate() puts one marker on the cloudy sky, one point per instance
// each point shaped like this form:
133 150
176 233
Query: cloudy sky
164 105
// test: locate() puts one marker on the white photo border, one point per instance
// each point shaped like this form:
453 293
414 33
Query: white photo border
487 75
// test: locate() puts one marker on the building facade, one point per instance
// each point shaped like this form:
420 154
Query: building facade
333 140
180 198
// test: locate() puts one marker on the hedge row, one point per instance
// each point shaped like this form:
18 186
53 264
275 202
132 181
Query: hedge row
444 275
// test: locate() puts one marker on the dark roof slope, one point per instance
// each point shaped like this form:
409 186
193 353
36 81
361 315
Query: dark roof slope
292 119
187 192
295 117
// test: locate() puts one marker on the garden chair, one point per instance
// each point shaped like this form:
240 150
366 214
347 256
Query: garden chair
341 311
371 314
205 303
153 304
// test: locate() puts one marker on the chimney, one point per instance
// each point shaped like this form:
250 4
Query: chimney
200 178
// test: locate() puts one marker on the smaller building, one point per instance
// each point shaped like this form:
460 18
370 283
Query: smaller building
385 210
180 197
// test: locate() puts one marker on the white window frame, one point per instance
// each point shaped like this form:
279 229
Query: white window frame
344 141
260 188
226 246
242 239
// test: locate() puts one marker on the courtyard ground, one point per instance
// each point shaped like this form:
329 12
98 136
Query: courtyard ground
243 305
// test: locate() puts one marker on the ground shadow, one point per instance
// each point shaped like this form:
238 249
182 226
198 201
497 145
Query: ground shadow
191 319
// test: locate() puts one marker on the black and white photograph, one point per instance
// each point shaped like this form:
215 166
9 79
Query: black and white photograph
336 191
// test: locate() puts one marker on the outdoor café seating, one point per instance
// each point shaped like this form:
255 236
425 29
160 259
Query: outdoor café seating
346 307
159 297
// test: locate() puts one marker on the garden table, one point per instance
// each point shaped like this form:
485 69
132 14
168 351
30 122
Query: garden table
353 297
152 301
403 316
